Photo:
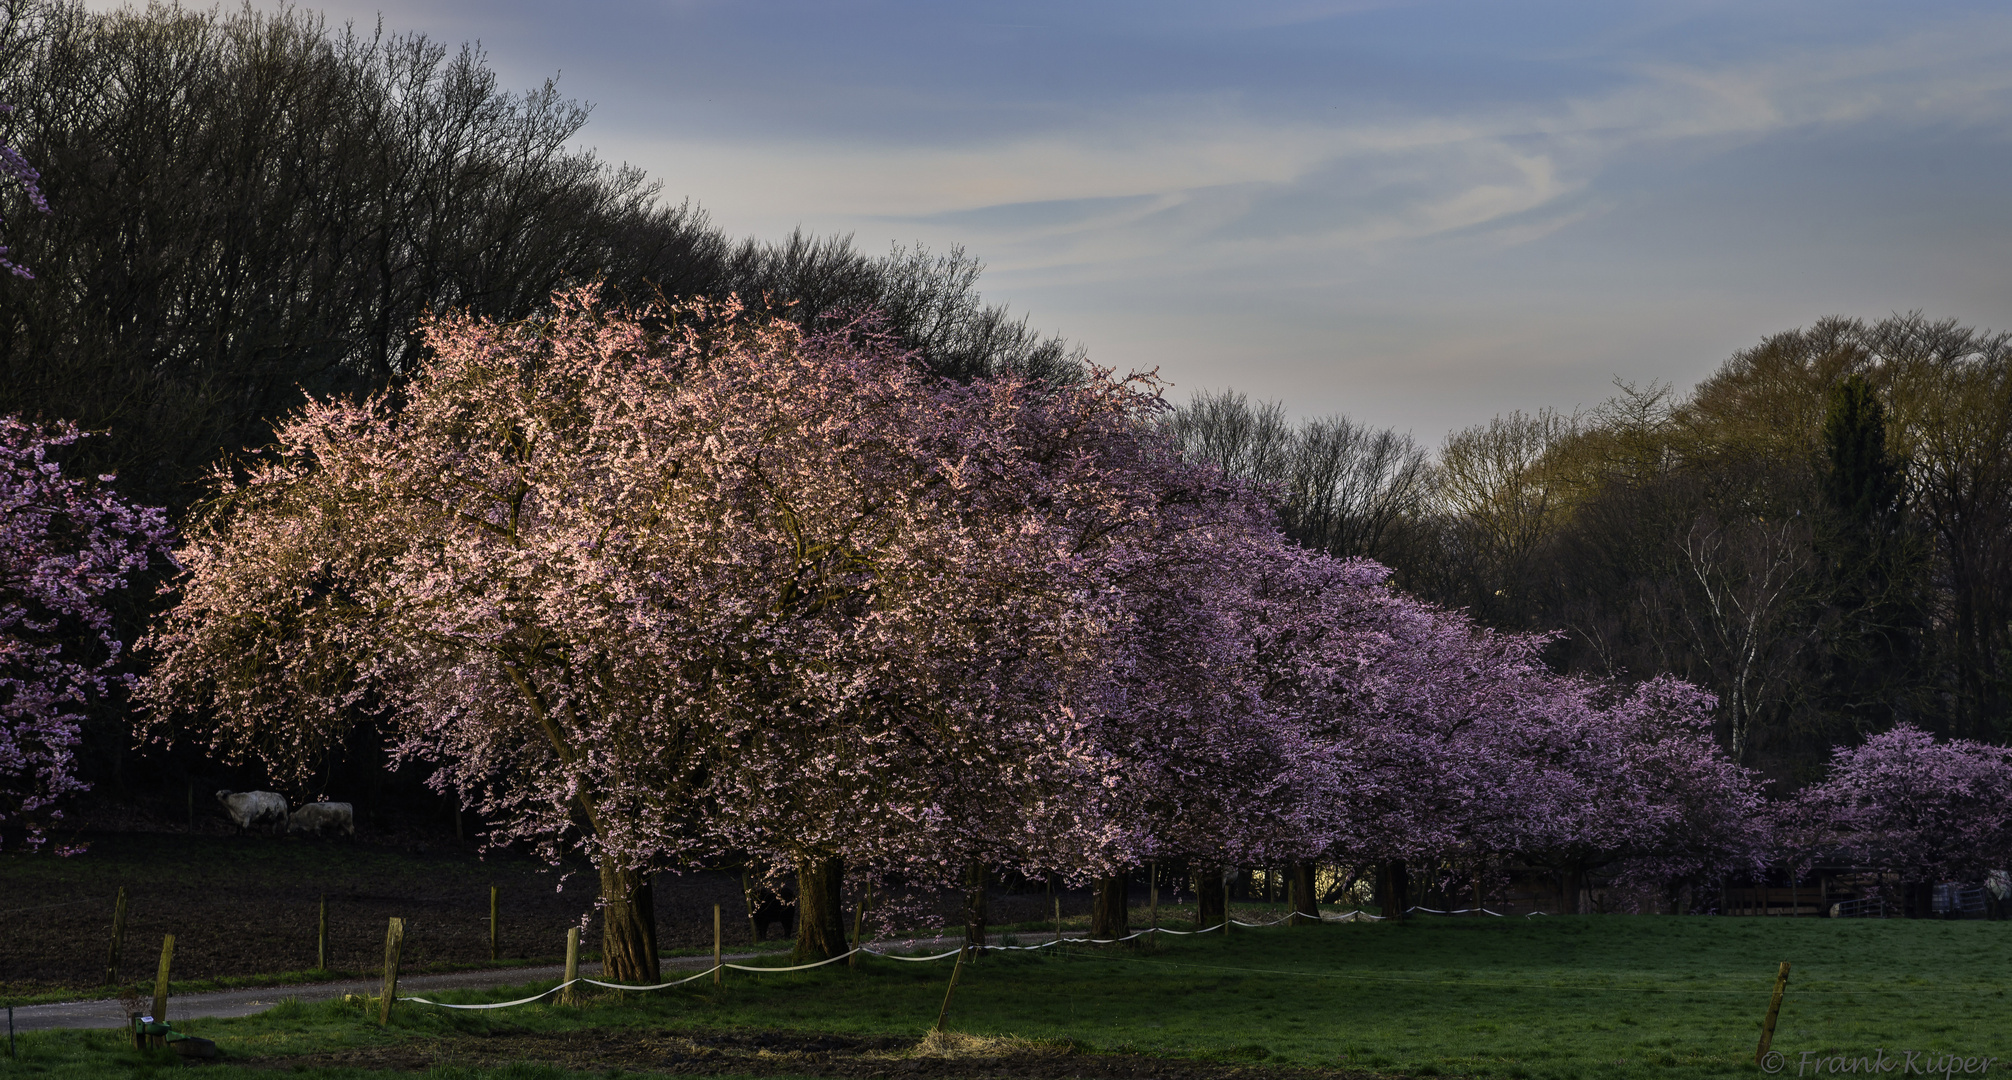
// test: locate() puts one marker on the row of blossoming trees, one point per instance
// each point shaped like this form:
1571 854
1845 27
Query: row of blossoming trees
650 586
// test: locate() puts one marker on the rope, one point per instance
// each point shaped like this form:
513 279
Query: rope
1459 911
1399 979
494 1005
1347 917
659 986
909 959
593 982
799 967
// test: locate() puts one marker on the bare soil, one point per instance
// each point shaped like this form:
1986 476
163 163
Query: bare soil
780 1053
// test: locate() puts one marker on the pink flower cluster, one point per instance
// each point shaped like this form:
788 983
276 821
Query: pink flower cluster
653 585
1932 811
14 167
66 544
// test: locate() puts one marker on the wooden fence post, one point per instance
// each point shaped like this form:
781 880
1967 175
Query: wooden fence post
954 972
1773 1009
717 972
859 924
570 996
161 979
493 926
321 937
118 937
1153 896
394 944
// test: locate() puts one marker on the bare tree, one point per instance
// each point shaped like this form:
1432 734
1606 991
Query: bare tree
251 205
1343 488
1742 609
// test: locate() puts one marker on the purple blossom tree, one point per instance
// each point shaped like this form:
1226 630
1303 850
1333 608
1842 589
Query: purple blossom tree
66 545
1928 811
1423 737
649 586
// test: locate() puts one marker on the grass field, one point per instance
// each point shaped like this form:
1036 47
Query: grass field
1600 996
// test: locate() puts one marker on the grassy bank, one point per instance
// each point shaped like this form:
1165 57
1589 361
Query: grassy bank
1566 998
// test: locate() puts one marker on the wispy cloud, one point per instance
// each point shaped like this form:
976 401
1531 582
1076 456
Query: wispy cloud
1134 181
1420 211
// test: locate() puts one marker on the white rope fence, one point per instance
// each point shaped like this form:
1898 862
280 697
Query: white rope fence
1344 917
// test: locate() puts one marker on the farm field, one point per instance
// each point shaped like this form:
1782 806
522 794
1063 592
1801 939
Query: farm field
1596 996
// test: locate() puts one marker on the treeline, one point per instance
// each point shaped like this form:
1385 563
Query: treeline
1820 533
247 207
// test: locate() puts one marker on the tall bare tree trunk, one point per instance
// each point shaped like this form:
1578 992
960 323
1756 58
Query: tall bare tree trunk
1209 907
1111 911
974 904
820 910
628 926
1305 904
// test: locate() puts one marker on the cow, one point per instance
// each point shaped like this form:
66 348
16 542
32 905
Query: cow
322 819
255 809
767 906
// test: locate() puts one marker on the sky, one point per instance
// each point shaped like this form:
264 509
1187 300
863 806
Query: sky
1419 215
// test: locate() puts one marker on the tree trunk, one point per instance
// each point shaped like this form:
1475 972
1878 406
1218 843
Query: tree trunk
1208 896
1305 904
1111 911
1572 883
1920 902
628 926
820 910
974 904
1393 889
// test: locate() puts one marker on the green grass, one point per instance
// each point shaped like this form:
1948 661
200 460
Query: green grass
1557 999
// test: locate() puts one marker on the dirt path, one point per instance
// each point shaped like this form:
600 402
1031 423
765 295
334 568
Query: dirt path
109 1013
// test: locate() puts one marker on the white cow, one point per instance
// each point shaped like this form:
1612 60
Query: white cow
322 818
255 809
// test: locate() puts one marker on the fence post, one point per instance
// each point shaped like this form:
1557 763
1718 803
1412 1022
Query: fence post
493 925
394 944
717 973
118 937
1773 1009
1226 905
161 979
570 996
859 924
321 937
1153 896
954 972
1058 923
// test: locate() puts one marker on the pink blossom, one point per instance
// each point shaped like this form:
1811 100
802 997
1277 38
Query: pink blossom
66 545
